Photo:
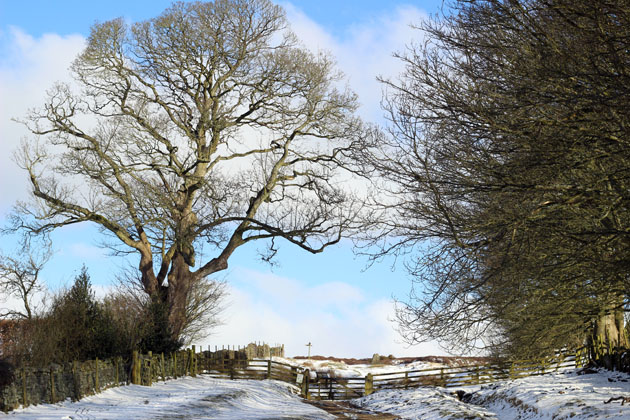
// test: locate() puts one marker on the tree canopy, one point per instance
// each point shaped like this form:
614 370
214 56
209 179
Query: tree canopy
191 134
507 169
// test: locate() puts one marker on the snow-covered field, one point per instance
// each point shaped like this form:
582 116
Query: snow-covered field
559 396
343 370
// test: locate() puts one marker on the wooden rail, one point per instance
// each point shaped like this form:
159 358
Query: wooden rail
328 386
93 376
450 377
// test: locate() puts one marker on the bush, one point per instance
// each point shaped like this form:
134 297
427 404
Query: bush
157 336
77 326
84 329
6 373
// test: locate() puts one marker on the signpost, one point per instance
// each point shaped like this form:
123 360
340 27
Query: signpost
309 345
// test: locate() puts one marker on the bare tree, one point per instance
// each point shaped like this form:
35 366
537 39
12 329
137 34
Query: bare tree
206 300
131 307
207 125
19 278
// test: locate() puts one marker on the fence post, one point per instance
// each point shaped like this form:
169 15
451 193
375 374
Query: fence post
24 396
163 371
75 378
134 367
269 369
116 365
442 381
193 363
369 384
187 367
52 385
97 387
139 369
305 380
150 366
477 374
174 357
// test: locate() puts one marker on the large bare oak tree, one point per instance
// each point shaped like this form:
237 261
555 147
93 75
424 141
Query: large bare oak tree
205 128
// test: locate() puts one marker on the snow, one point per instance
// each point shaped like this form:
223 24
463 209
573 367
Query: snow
422 403
342 370
183 399
558 396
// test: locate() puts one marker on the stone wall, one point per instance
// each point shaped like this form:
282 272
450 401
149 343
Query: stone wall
59 382
264 351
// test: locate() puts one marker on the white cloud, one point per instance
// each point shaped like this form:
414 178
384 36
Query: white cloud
278 289
336 317
29 67
365 51
101 291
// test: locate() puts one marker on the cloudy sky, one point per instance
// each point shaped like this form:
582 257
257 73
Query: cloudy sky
330 299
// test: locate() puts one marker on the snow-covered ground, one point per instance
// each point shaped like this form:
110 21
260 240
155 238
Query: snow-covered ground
182 399
559 396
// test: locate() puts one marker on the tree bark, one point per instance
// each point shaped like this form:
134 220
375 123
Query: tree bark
180 281
610 337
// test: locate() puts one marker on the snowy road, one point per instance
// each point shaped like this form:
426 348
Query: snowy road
183 399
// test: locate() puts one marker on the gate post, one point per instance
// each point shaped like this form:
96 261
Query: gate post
307 376
369 384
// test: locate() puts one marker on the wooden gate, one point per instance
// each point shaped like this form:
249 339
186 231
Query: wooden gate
330 387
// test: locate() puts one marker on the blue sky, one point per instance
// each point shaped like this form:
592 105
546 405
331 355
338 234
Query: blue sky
350 317
76 16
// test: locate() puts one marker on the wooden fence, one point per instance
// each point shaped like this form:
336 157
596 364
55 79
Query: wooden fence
450 377
76 380
328 386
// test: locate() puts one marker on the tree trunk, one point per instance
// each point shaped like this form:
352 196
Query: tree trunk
609 337
180 281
